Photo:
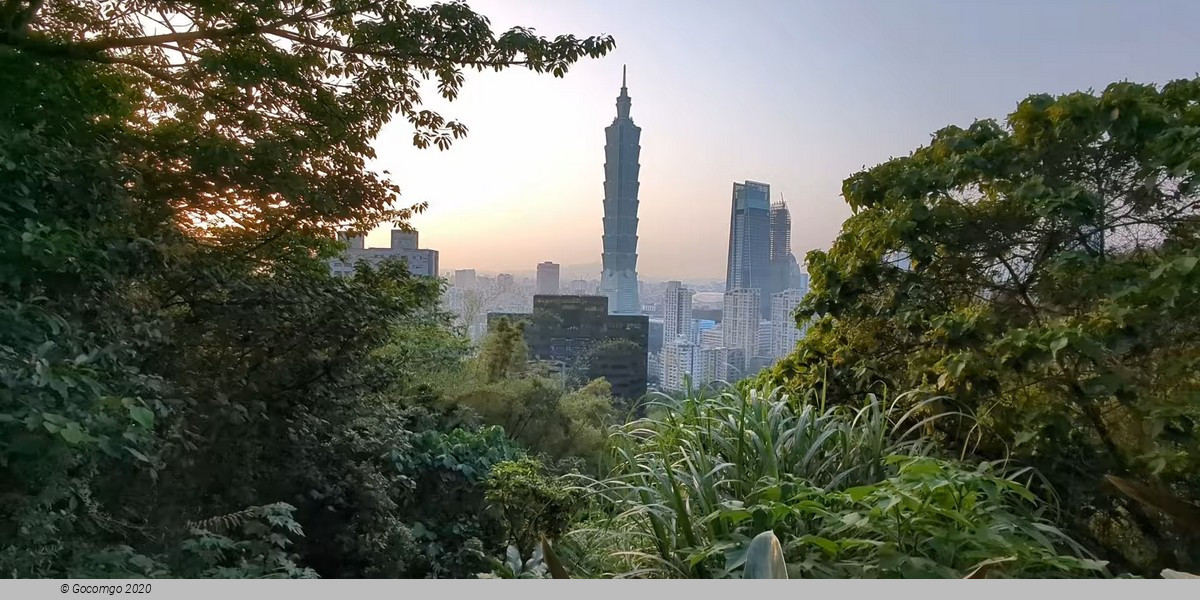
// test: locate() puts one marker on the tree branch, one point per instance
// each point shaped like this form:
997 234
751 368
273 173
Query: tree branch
198 34
21 21
300 39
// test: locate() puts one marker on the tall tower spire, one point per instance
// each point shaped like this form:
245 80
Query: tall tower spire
622 147
623 101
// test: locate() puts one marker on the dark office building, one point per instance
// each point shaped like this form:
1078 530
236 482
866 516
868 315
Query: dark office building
656 335
572 329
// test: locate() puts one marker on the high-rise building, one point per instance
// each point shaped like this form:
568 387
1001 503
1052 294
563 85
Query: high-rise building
782 260
622 146
784 332
719 364
677 313
505 282
713 337
353 241
781 231
578 332
749 264
799 279
403 247
547 278
764 338
678 364
656 335
464 279
740 320
406 240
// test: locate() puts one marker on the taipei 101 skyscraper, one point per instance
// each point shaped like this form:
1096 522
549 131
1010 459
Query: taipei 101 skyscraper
619 279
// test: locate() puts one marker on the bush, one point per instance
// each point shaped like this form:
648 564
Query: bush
852 493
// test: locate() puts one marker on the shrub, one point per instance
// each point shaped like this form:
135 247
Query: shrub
850 492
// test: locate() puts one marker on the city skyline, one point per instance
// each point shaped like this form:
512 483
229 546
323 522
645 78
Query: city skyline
836 88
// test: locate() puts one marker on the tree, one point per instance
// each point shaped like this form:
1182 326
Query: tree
503 351
475 304
532 505
172 346
255 118
1042 274
536 409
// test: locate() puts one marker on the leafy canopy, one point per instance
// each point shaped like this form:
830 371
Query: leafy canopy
260 114
172 346
1041 272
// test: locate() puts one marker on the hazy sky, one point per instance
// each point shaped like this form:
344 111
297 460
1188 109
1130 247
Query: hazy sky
793 93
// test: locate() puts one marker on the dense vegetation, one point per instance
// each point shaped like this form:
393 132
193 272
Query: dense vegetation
851 492
1039 274
187 392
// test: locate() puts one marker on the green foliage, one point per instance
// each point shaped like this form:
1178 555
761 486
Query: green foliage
261 553
932 519
533 504
1050 291
171 343
251 543
541 414
502 353
391 492
688 492
588 412
259 99
513 567
537 410
442 517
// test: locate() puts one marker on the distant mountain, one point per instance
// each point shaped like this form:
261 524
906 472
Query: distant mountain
590 271
580 271
566 273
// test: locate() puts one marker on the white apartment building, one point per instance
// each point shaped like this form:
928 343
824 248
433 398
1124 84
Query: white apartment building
740 319
764 338
784 332
677 313
678 363
712 337
403 247
654 370
719 364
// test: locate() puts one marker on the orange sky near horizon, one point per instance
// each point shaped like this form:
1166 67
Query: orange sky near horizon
796 94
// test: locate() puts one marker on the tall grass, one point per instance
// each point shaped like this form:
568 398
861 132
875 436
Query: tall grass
848 490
